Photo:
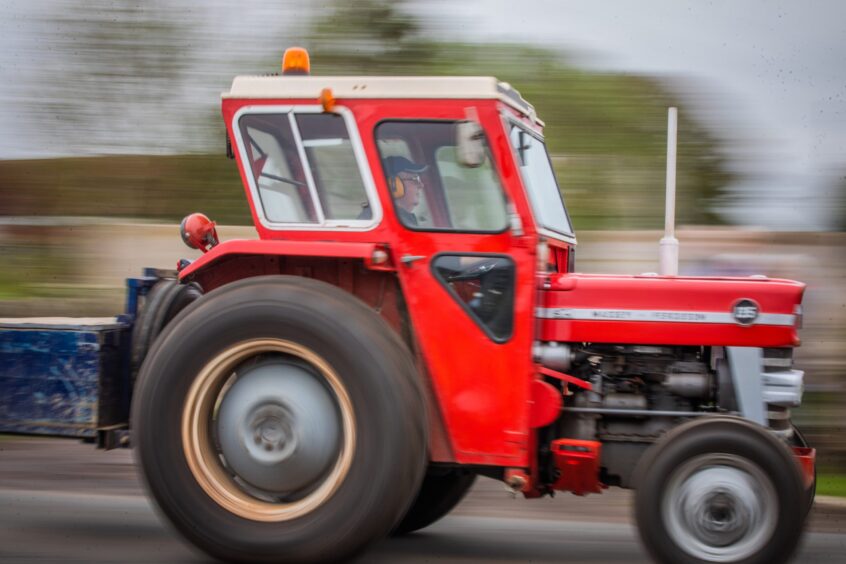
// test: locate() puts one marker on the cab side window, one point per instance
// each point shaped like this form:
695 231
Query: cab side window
473 195
276 168
484 286
333 166
304 168
431 190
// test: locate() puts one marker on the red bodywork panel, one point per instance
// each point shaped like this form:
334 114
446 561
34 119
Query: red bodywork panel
363 251
480 390
577 463
590 308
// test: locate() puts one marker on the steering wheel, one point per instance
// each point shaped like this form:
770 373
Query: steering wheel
475 271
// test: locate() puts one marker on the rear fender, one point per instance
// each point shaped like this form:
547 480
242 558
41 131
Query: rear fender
366 252
349 266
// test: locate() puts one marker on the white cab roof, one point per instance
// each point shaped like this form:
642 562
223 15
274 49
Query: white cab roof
410 87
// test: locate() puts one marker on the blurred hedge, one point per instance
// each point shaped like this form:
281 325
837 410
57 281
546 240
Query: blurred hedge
149 187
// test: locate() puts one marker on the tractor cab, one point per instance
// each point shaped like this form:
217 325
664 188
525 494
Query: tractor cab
443 181
352 155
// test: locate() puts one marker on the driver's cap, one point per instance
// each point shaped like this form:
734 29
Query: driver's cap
396 165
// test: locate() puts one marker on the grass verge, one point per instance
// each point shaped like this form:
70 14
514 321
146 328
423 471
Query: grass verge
831 484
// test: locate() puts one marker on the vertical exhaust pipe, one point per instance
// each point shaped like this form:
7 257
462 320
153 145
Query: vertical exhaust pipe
668 253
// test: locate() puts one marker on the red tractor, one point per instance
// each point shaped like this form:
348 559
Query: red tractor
409 318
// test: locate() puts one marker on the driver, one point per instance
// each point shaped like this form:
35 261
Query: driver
405 184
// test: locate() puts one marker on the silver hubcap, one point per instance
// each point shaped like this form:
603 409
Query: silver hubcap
268 430
278 428
720 508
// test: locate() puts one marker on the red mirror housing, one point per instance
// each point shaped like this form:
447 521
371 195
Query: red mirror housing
198 232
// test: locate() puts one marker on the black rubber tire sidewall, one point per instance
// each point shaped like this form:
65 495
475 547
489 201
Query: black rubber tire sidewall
143 327
164 301
439 494
379 377
722 435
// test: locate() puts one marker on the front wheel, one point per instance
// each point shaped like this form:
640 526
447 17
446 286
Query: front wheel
279 420
719 490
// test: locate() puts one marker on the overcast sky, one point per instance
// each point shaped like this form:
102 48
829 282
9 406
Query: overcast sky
767 77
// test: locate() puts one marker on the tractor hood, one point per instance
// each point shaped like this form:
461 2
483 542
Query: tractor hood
670 310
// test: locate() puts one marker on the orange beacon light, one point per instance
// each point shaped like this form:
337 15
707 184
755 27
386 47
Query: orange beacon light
295 61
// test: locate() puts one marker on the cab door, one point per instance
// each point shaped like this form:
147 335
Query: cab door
466 271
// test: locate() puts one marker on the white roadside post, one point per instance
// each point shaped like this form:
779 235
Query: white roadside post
668 255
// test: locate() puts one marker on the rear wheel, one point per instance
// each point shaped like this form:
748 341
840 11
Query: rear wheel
440 492
279 420
719 490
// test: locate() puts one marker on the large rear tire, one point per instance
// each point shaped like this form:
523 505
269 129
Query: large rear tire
279 419
719 490
440 492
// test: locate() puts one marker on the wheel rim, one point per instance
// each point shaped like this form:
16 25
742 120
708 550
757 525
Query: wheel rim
720 508
272 440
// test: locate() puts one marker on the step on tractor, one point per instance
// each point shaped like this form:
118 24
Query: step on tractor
410 318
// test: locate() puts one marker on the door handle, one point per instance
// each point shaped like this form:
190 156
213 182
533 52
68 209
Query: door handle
408 260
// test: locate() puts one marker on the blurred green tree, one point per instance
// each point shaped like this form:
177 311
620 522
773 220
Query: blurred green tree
112 67
121 65
367 37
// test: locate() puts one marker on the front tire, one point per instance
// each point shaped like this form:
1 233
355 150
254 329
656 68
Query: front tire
279 420
719 489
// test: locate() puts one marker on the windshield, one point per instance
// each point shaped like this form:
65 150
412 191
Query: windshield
539 178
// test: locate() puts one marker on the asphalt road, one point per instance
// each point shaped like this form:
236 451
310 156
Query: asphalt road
63 501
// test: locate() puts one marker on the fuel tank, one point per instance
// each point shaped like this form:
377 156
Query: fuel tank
670 310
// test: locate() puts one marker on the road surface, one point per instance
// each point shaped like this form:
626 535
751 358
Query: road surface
64 501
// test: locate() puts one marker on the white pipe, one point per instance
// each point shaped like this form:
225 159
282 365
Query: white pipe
668 256
670 211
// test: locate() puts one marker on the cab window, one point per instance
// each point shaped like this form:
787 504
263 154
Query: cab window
431 190
332 163
484 286
277 169
304 168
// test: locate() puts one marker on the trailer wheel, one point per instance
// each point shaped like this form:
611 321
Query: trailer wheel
438 495
164 301
279 419
719 490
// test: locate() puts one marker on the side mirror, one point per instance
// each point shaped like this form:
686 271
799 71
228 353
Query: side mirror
470 144
198 232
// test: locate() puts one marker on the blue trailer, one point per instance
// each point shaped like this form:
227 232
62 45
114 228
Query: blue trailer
72 377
